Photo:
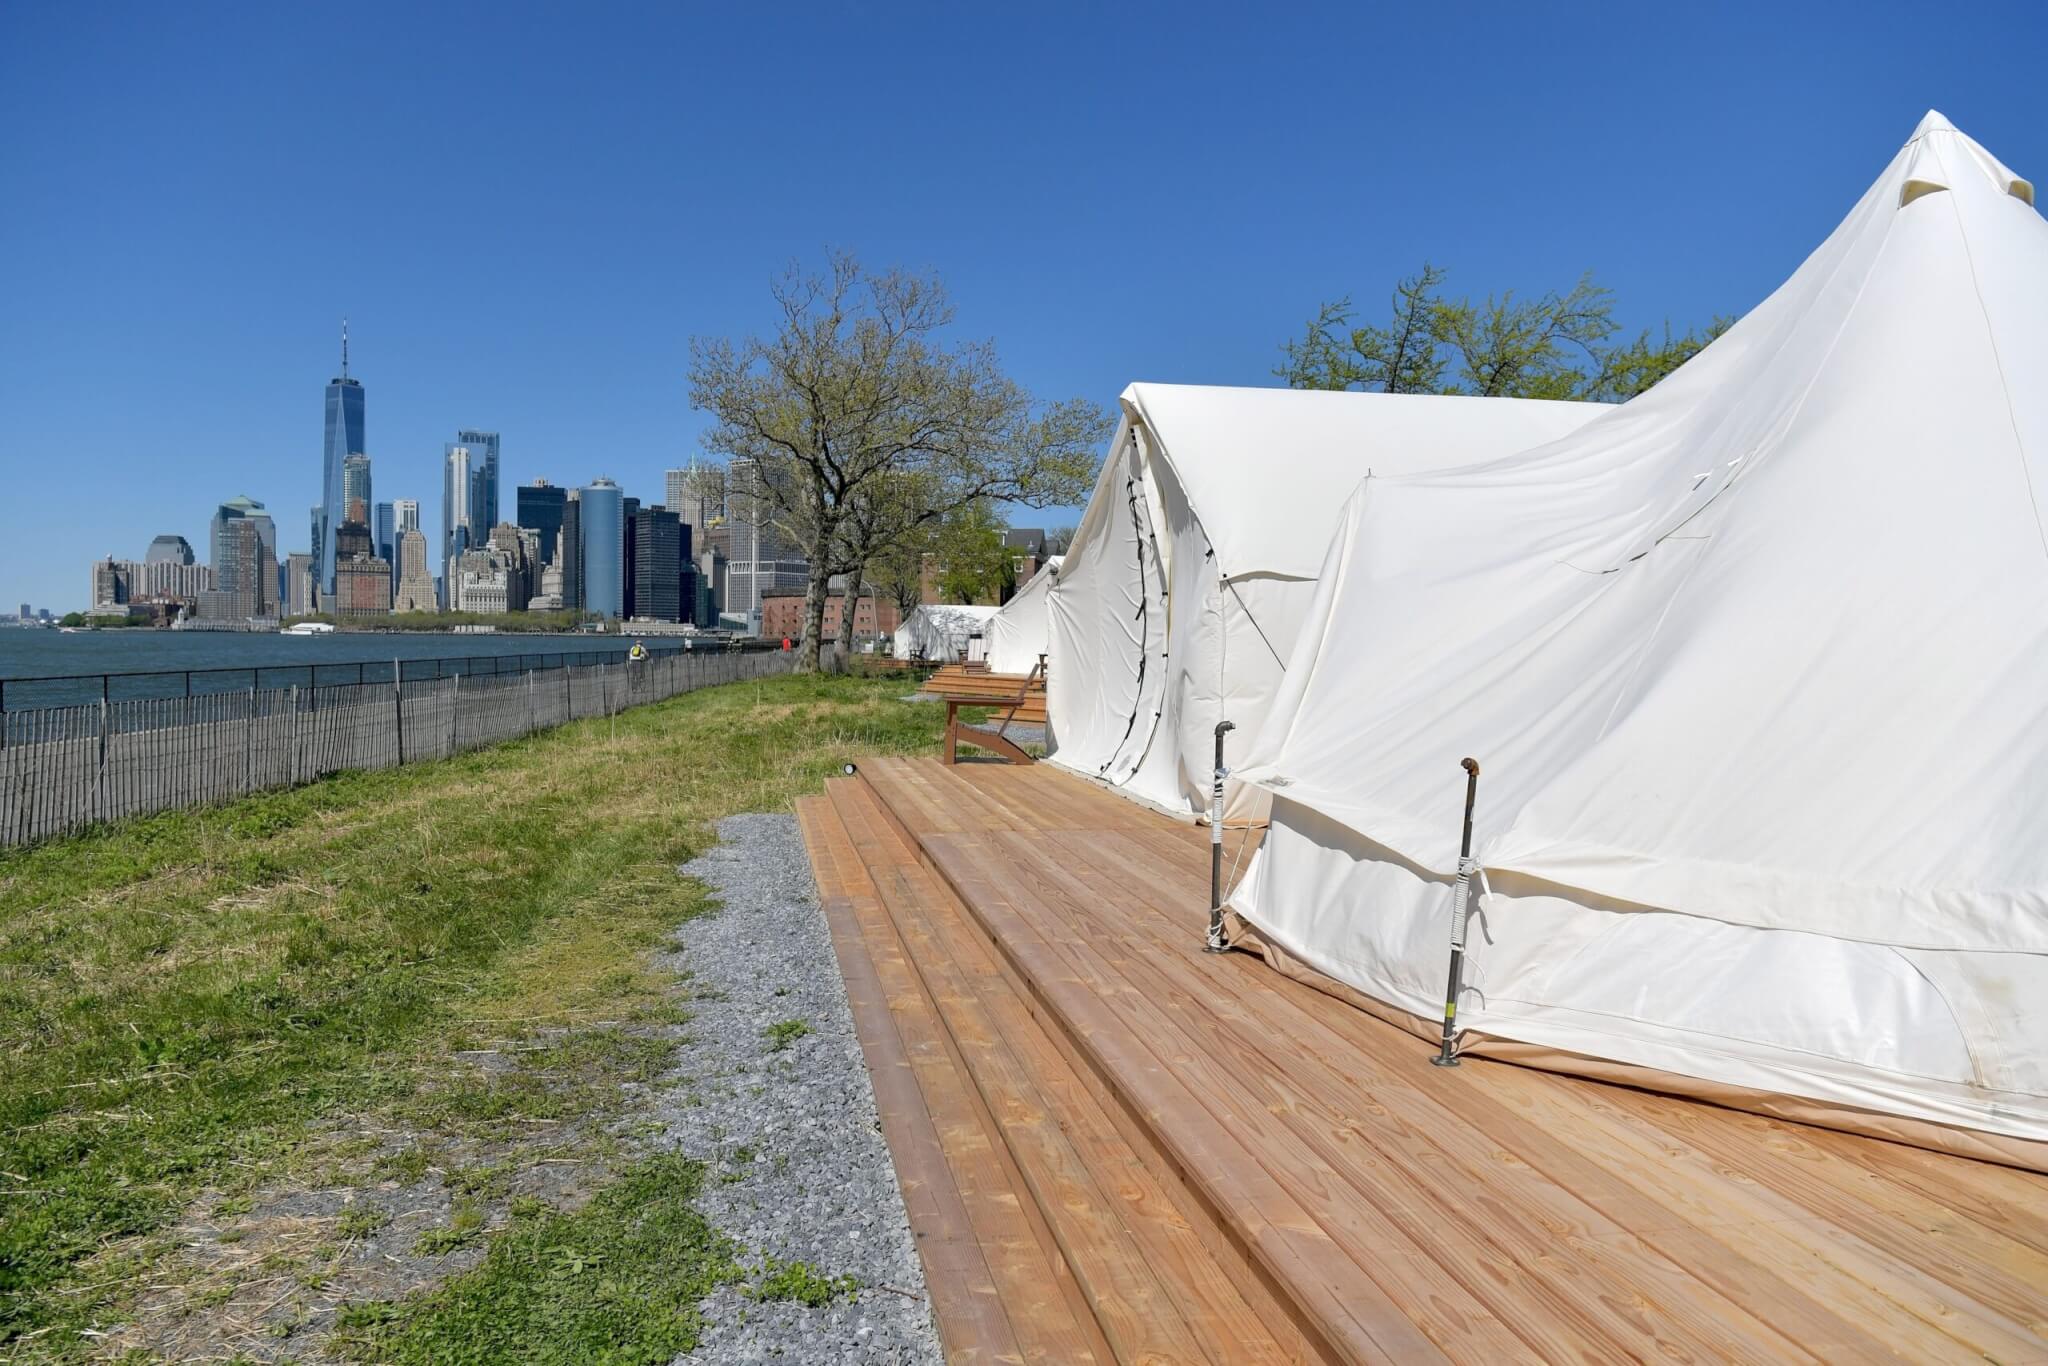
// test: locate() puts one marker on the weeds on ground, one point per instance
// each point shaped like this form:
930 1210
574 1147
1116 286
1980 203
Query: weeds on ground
369 977
618 1281
800 1282
783 1033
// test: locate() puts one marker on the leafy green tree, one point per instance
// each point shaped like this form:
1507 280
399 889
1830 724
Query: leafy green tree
859 400
1405 357
1553 345
974 563
1635 366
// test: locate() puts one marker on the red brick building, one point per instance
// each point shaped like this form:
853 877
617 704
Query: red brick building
782 614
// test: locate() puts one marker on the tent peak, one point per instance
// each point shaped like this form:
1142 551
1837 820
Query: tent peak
1929 165
1934 122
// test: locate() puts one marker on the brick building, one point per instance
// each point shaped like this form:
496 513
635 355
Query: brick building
362 587
782 614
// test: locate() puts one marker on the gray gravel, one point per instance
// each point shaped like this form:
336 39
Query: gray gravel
799 1168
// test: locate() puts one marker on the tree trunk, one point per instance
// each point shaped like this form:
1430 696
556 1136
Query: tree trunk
814 614
849 606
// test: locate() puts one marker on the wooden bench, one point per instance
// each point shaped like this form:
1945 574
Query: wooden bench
1020 698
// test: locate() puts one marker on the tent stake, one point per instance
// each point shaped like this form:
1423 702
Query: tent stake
1217 943
1461 892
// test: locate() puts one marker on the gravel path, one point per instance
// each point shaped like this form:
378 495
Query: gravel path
799 1169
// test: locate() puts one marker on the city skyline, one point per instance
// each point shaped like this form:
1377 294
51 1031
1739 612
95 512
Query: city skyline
189 339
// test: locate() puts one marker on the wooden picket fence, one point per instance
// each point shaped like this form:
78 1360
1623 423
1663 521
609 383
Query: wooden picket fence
65 768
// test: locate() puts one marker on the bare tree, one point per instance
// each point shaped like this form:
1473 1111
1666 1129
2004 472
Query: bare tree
862 423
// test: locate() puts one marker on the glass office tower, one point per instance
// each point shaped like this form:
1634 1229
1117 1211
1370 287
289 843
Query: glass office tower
602 525
355 488
540 508
344 438
384 537
483 483
457 483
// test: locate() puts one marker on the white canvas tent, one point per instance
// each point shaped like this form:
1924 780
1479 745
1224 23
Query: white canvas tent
1018 634
941 631
1756 668
1180 596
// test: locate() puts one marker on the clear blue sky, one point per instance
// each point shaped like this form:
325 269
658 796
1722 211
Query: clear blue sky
526 211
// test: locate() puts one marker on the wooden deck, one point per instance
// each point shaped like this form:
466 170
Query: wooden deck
1115 1147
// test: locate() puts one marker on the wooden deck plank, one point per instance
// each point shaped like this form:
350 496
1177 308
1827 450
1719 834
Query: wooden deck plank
1545 1283
1114 1219
1872 1235
1041 1321
1349 1303
1493 1212
1312 1077
1300 1338
882 854
967 1308
1976 1260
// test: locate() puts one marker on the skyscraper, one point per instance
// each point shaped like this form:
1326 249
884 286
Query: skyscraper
344 437
629 521
407 512
299 595
245 574
415 582
362 587
355 485
601 523
676 488
169 549
112 582
383 536
658 558
231 560
483 483
540 507
352 542
456 486
761 558
571 556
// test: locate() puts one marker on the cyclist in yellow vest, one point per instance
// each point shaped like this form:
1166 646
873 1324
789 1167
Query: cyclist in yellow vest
638 653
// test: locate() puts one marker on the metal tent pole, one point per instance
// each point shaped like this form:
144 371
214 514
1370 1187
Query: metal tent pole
1461 895
1217 942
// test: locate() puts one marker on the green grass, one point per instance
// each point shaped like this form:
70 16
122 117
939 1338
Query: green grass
616 1282
185 998
801 1282
783 1033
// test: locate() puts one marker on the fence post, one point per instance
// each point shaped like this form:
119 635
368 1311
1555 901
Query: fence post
398 705
99 781
532 705
298 746
249 741
454 716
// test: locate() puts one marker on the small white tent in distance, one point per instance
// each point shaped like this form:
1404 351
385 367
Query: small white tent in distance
1755 668
941 631
1018 634
1179 598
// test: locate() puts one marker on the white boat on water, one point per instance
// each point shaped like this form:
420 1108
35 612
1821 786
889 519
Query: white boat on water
309 628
